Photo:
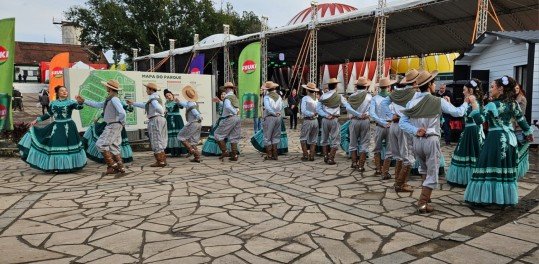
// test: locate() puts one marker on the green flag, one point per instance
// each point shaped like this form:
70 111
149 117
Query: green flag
7 59
249 80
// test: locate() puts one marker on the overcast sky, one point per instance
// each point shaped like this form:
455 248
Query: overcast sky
34 17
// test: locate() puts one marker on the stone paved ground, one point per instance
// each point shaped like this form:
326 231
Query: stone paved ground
251 211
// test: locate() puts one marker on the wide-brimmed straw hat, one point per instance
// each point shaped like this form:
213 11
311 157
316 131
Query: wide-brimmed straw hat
152 86
228 85
362 81
410 76
269 85
310 86
425 77
332 81
189 93
112 84
385 82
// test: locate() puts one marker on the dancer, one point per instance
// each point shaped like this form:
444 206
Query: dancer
114 115
401 143
523 145
210 147
157 124
230 127
421 118
360 124
189 135
273 105
329 108
174 125
57 146
467 151
381 133
94 131
309 128
494 180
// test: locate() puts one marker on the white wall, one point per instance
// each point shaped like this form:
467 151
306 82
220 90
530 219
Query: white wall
501 58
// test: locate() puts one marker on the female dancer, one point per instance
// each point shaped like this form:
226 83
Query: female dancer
57 146
467 151
174 125
494 180
523 163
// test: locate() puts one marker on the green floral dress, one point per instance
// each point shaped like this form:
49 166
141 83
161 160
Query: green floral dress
465 156
93 133
174 125
57 146
494 180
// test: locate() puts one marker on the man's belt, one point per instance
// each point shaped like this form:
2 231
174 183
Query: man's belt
359 118
116 122
310 118
154 116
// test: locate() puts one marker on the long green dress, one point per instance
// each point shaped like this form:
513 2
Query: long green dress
174 125
57 146
494 180
93 133
467 151
210 147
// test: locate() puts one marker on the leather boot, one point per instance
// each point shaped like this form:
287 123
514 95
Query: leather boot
377 163
224 152
422 203
269 152
325 152
312 152
160 160
400 180
385 169
275 149
120 163
196 154
305 151
398 168
361 162
109 160
234 154
331 158
354 160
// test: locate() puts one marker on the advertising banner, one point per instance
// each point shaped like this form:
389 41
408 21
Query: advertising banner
7 58
197 64
56 72
249 80
87 83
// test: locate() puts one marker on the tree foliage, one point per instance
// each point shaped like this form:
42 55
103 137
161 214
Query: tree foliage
120 25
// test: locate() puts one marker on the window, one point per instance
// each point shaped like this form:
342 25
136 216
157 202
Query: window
521 75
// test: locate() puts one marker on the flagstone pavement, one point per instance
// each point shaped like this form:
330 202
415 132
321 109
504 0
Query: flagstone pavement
252 211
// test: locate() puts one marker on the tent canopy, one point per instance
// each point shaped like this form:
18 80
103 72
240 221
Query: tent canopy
414 27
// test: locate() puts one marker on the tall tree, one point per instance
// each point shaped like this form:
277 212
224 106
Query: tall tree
120 25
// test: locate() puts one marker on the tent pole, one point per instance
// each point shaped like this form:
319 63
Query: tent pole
226 55
381 38
264 48
172 65
314 42
135 63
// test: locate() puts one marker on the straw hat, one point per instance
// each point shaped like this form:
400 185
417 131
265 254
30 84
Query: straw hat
332 81
189 93
269 85
385 82
425 77
410 76
112 84
311 87
152 86
228 85
362 81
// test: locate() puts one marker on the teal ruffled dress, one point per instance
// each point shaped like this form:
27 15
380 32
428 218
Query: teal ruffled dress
494 180
56 147
174 125
467 151
210 147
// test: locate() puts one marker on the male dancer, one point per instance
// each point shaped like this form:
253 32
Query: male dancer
189 135
360 125
272 120
309 128
230 126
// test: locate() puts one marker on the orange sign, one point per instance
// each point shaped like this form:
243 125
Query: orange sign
58 63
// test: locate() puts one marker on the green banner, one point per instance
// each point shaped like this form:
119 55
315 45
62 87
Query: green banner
249 80
7 59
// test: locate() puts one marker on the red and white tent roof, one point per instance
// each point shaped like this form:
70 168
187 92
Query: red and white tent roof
324 10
